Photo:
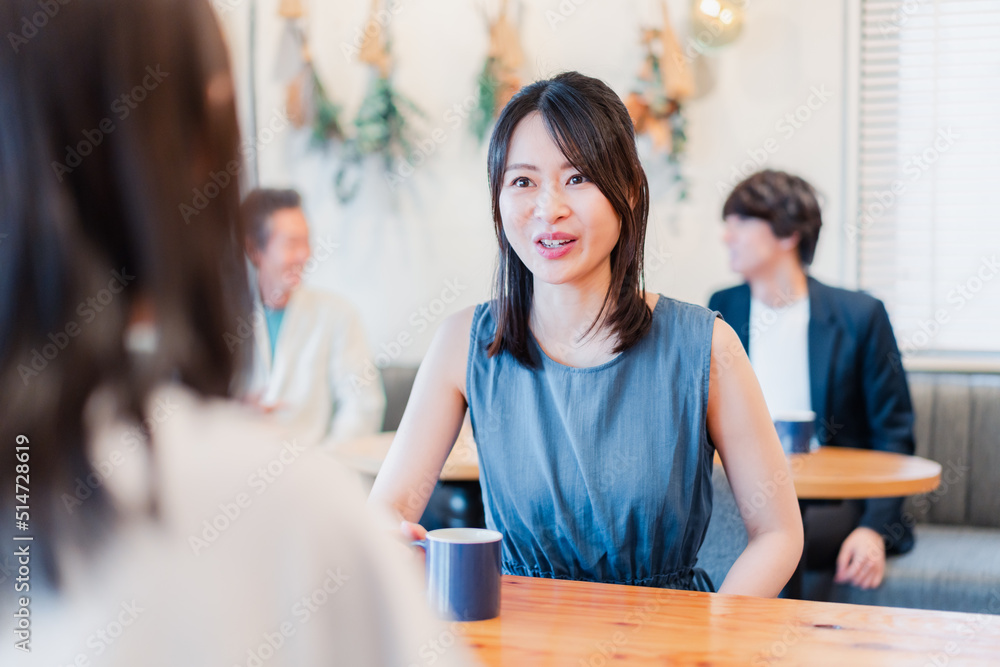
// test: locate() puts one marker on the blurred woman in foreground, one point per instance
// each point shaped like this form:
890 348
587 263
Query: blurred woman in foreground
169 526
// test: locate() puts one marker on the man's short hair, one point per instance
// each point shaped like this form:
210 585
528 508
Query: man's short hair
786 202
259 206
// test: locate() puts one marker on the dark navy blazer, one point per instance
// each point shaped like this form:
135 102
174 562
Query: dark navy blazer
858 385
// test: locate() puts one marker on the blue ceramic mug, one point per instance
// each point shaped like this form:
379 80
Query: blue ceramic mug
797 431
463 572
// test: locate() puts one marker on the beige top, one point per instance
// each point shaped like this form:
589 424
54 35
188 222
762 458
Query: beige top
264 556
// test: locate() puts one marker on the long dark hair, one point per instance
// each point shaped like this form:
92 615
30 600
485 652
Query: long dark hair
117 134
592 128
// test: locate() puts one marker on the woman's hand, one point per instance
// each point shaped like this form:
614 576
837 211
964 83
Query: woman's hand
412 531
256 402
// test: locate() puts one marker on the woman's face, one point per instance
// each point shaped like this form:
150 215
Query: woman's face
558 222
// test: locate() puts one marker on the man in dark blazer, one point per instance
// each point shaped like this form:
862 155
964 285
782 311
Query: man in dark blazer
855 382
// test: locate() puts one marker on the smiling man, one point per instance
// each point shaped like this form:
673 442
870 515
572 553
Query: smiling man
310 353
821 349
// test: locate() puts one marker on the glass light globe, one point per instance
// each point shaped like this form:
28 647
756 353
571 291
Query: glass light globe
716 23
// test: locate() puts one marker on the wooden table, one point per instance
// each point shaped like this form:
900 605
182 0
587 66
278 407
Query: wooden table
845 472
367 454
550 622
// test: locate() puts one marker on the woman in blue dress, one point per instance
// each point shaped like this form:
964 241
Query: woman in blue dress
596 407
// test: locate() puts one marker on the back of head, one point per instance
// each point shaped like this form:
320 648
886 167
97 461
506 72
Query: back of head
786 202
117 113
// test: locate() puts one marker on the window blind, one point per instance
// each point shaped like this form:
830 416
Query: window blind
928 226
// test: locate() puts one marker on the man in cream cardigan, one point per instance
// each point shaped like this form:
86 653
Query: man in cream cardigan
310 354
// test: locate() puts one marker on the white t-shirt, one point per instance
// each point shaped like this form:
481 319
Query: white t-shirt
264 555
779 354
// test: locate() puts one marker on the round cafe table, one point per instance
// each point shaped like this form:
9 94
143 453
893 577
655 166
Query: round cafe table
456 500
365 455
832 473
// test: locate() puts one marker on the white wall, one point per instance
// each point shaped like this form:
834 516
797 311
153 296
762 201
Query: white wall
397 254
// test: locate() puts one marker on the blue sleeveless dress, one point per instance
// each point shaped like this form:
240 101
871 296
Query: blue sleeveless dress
603 473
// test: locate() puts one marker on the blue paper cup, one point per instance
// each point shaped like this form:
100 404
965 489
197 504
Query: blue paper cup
796 431
463 572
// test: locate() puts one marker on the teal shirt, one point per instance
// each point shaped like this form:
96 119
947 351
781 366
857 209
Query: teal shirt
274 318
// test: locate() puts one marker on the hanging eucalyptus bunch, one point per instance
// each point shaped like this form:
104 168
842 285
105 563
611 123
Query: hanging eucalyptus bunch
656 100
500 77
382 125
326 115
306 100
